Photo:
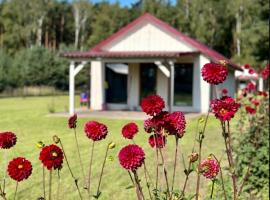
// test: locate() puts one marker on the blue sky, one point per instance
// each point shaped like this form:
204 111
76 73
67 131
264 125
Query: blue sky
123 2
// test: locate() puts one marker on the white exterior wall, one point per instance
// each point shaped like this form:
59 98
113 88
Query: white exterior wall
148 37
229 83
203 98
133 86
97 97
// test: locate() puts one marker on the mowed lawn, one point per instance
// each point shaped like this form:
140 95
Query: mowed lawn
28 118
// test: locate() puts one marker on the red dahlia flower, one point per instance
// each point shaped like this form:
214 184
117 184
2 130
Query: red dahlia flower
262 93
72 121
7 140
265 72
224 91
247 66
95 130
250 110
156 140
158 122
148 126
251 71
19 169
176 124
224 108
131 157
152 105
209 168
256 102
214 73
250 86
130 130
52 157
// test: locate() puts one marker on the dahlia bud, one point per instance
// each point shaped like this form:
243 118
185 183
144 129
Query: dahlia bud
111 145
193 157
223 62
56 139
110 158
201 120
40 144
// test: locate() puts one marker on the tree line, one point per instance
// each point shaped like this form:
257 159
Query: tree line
33 32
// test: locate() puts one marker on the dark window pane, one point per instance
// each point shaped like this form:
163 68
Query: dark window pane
116 83
148 77
183 79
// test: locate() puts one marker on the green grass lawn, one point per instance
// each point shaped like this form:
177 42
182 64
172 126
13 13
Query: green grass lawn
28 118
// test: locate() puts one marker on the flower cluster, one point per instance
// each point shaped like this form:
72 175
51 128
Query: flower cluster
19 169
7 140
214 73
161 123
224 108
209 168
131 157
52 157
130 130
95 130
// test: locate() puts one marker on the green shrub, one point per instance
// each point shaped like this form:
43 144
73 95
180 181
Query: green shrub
253 149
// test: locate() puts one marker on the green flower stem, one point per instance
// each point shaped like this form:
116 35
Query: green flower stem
50 185
138 185
43 182
157 172
69 168
101 173
186 179
227 141
147 181
79 154
175 160
221 176
90 168
58 184
16 189
2 194
131 177
212 190
165 172
201 136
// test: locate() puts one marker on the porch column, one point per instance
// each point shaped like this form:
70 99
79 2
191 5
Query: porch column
72 73
71 87
260 84
171 87
97 97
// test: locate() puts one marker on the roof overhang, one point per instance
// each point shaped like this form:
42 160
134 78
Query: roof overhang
127 54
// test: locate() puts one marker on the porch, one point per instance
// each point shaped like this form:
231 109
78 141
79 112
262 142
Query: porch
120 83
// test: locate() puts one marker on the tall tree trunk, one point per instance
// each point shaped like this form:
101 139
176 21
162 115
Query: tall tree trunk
46 39
238 30
83 31
39 31
77 25
62 24
186 9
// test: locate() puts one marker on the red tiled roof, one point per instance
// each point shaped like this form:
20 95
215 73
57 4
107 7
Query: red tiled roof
97 50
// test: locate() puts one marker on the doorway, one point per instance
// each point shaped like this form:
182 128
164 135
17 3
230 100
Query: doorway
148 79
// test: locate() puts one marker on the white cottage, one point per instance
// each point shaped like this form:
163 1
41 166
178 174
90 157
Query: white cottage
148 57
